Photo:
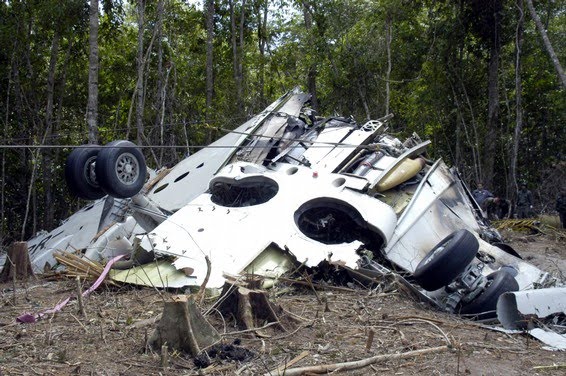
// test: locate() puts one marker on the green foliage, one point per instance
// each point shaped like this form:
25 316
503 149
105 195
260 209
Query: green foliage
438 82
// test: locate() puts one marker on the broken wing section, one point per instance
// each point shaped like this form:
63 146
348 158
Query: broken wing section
313 216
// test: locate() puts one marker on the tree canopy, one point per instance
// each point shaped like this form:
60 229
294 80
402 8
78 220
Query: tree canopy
172 73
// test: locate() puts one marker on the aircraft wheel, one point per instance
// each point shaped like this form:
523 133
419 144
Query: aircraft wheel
486 303
121 169
80 173
446 260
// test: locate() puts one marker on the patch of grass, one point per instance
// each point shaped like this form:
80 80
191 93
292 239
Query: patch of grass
549 220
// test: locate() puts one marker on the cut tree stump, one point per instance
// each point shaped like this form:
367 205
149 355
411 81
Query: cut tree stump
252 309
17 262
183 328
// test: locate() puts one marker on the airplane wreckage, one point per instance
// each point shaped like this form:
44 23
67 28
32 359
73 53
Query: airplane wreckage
289 188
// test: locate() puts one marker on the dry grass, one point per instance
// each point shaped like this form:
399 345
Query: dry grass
111 339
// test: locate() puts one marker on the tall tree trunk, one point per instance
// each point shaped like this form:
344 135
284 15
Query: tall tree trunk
492 118
48 153
513 186
388 38
162 114
241 54
312 69
140 66
92 104
60 210
547 44
160 94
5 137
262 43
235 55
29 99
209 62
492 125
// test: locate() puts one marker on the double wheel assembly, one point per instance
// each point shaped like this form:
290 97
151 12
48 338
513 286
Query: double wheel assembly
117 169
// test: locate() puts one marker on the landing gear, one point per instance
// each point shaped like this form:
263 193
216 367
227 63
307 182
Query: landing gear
120 169
117 169
80 175
446 260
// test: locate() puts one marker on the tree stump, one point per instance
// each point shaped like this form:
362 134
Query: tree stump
182 327
252 309
17 262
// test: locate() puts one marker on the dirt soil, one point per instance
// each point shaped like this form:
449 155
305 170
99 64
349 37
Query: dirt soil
335 328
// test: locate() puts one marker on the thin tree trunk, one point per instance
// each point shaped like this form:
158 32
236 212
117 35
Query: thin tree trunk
33 116
140 82
209 62
472 145
388 38
48 153
312 69
363 99
162 115
5 136
518 104
160 95
547 44
491 135
60 210
92 104
241 54
261 37
235 56
458 132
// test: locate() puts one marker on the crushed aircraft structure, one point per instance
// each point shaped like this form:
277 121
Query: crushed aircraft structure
287 188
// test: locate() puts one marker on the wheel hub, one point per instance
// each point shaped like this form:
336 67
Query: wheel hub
90 174
127 169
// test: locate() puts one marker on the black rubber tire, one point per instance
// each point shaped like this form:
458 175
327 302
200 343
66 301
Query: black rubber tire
121 169
79 173
485 304
446 260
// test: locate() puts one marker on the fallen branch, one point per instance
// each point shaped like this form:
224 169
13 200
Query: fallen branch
202 291
250 329
554 366
317 285
348 366
281 369
430 323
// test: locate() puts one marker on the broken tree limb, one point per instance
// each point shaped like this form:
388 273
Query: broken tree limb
182 327
317 285
281 369
17 265
547 45
348 366
202 291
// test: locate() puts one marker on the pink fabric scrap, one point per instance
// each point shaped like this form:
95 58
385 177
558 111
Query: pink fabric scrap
29 318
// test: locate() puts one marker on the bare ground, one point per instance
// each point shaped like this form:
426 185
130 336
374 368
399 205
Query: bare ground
111 341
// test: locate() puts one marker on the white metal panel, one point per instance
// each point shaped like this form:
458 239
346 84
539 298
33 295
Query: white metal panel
75 233
190 177
233 237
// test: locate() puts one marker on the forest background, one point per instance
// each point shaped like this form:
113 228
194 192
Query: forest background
480 78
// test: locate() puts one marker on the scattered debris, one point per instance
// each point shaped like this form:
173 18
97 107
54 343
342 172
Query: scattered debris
349 366
229 352
542 313
341 203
